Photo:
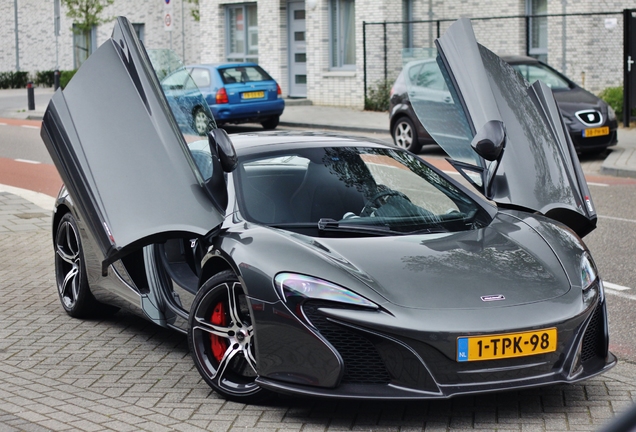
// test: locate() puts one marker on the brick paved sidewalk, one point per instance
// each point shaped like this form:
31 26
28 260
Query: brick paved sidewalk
59 373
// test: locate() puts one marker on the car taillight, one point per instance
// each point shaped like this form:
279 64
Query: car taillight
279 92
392 91
221 96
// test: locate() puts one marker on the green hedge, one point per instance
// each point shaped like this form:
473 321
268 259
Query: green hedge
614 98
65 77
13 79
378 97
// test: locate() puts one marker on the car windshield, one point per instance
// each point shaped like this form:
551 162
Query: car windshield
351 188
534 72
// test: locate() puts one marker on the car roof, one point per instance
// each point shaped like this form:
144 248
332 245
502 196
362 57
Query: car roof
221 65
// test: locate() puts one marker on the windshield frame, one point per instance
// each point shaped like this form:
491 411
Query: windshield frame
480 215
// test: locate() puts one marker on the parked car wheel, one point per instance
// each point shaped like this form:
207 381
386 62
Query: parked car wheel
221 339
201 122
70 273
270 123
405 135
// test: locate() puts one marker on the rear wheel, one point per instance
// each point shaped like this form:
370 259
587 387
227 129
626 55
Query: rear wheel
270 123
405 135
221 339
70 273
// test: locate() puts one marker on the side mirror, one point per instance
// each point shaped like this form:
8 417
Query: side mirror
221 146
490 140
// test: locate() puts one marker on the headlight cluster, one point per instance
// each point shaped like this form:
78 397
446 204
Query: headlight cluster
611 114
291 285
588 271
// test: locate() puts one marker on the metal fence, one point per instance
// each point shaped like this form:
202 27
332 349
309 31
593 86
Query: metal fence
587 47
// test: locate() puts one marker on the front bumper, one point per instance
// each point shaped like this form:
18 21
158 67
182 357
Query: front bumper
373 364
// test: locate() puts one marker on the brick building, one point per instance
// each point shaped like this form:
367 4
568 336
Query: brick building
315 48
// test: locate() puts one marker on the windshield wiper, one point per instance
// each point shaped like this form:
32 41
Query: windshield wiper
328 224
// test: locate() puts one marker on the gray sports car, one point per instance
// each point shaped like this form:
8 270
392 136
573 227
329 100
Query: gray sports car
333 266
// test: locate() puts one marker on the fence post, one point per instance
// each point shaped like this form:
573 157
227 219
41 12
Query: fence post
30 96
385 53
364 58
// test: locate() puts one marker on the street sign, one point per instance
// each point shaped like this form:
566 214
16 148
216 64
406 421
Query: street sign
167 16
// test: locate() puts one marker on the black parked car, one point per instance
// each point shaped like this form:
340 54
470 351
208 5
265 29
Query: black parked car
332 266
591 122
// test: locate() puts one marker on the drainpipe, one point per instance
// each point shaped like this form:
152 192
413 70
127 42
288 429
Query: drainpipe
563 38
17 46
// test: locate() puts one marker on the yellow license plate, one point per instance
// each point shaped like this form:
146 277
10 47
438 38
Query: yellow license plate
594 132
253 95
501 346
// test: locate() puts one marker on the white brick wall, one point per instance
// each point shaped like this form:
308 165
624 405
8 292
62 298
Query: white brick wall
593 55
37 38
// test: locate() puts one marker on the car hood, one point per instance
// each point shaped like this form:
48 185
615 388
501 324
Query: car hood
454 270
576 97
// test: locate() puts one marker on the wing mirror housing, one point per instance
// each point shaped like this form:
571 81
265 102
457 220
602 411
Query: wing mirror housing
490 140
221 146
224 160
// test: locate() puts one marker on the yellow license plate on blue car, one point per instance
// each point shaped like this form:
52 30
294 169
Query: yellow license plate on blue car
508 345
253 95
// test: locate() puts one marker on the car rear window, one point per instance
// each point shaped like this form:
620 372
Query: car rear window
243 74
201 77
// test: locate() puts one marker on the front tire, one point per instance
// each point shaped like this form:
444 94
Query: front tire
70 273
201 122
405 135
220 337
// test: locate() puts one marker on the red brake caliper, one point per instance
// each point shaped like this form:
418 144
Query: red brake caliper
219 344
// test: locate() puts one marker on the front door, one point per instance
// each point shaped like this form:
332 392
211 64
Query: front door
297 50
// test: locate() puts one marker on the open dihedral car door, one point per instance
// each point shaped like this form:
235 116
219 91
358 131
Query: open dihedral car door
503 134
121 153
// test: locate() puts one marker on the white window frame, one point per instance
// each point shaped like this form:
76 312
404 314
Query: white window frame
337 38
249 33
538 52
92 43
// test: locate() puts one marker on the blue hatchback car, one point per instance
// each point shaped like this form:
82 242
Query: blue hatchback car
235 92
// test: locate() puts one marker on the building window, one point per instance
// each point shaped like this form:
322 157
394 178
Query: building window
407 27
139 29
342 34
83 44
538 29
241 33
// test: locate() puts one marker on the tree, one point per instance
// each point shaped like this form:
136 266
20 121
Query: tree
195 9
85 14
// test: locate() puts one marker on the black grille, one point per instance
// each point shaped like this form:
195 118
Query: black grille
591 117
363 364
594 336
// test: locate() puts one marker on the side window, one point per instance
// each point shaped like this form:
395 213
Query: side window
201 77
176 81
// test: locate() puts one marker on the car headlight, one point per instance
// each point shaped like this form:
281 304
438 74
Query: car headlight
291 285
588 271
611 114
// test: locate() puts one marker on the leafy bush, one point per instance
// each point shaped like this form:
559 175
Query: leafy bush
13 79
65 77
44 78
378 97
614 98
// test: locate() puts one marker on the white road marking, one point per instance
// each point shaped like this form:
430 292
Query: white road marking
597 184
27 161
4 124
620 294
31 127
617 218
615 286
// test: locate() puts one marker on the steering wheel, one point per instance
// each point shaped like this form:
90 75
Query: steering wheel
378 200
